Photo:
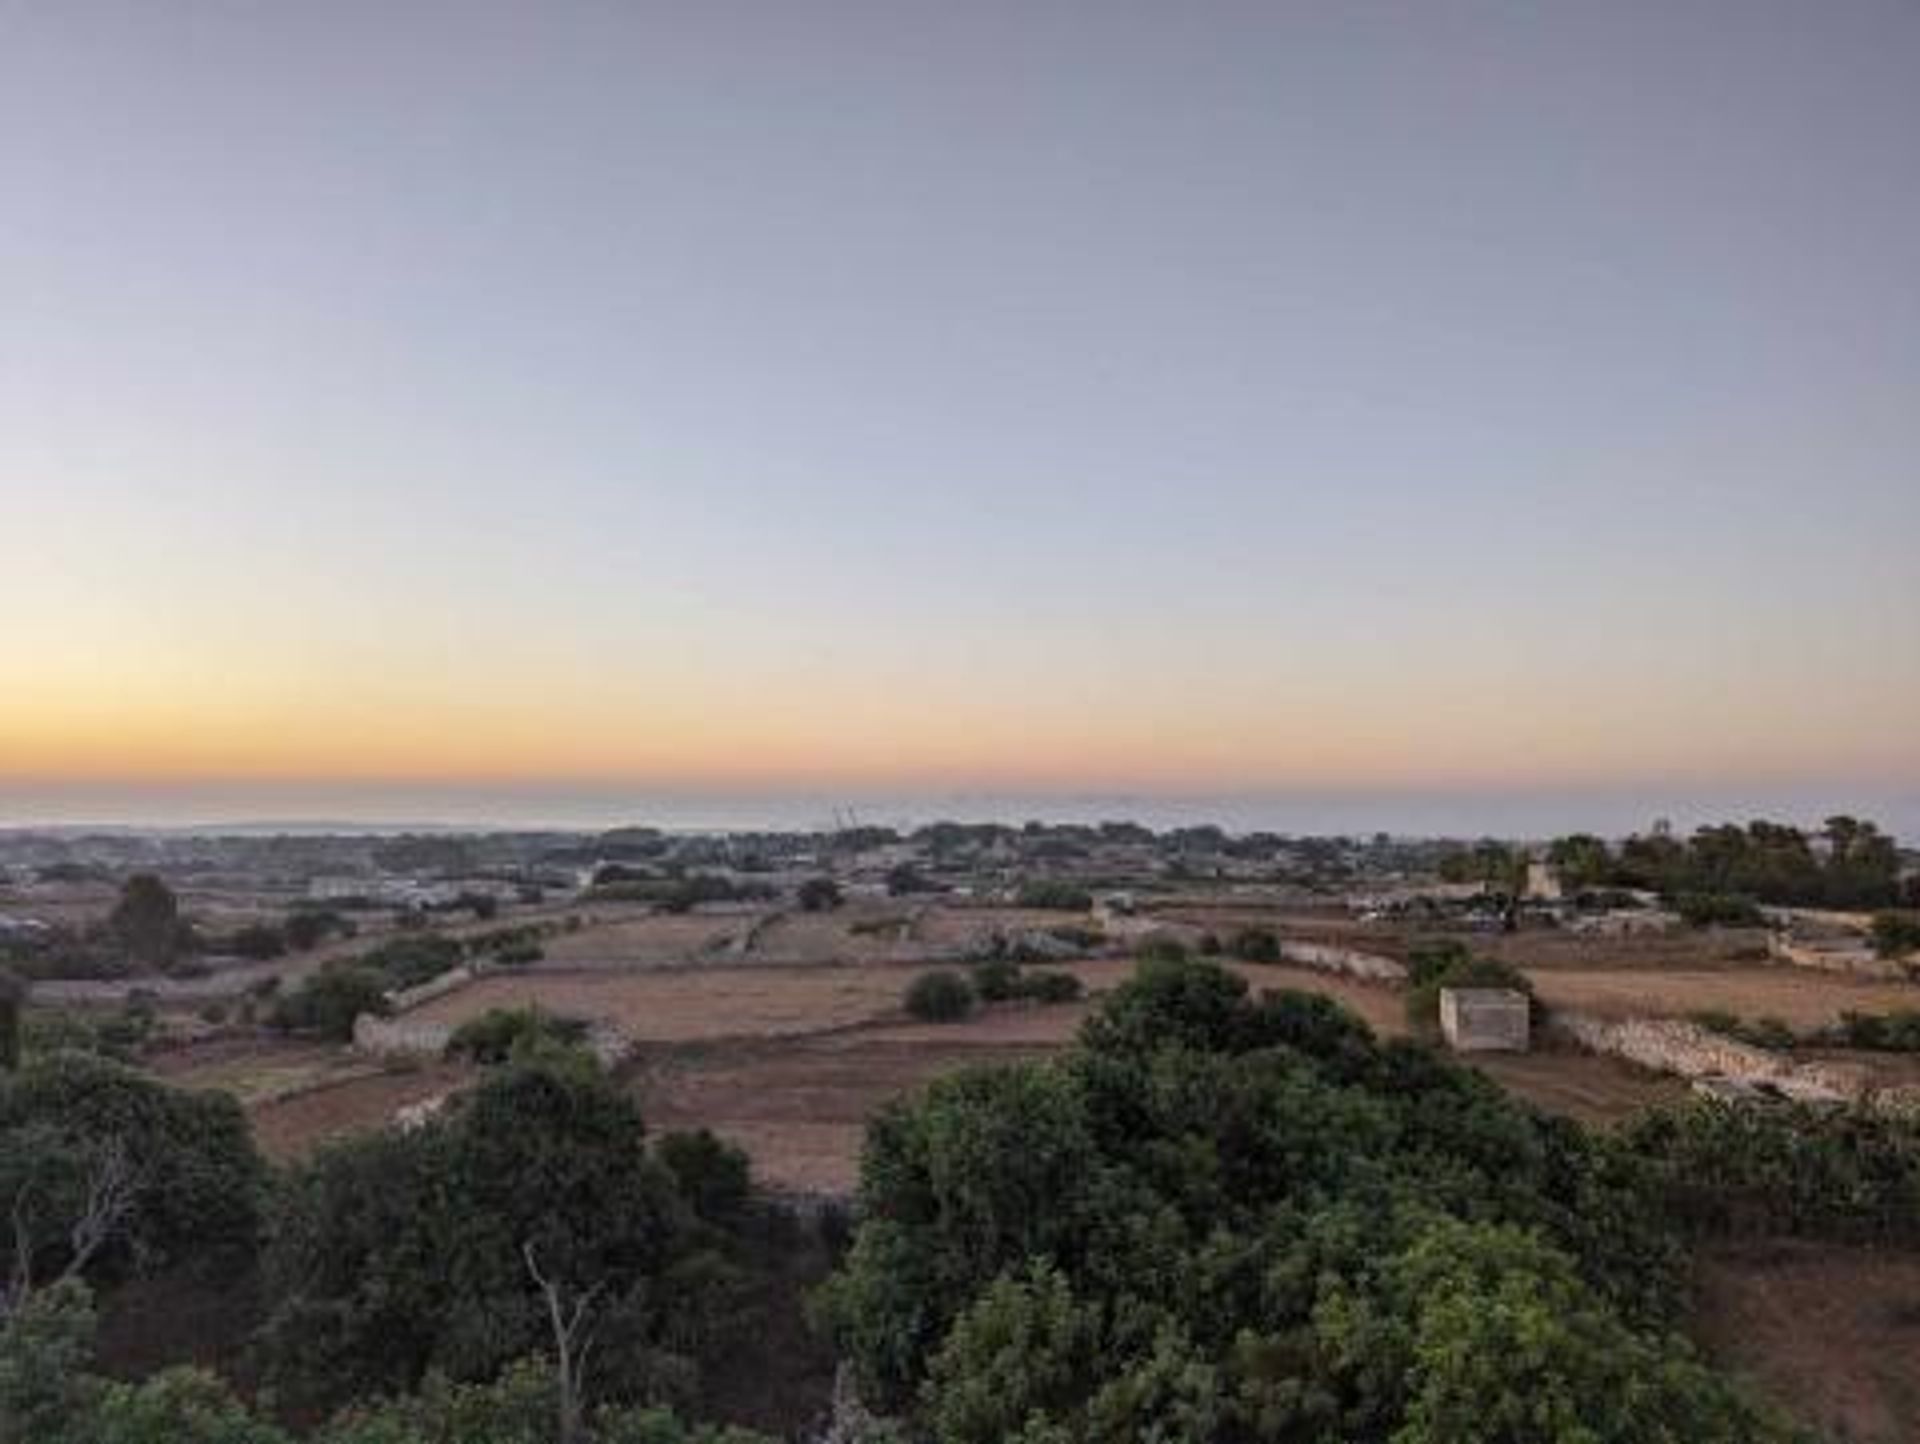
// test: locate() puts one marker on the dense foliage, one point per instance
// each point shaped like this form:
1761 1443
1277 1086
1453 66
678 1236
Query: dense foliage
1851 1174
1896 932
941 996
1055 895
49 1394
325 1004
193 1182
501 1035
1002 980
400 1254
1229 1220
1848 864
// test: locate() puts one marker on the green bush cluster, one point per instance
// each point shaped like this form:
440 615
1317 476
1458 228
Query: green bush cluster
1229 1219
501 1035
1002 980
1053 894
941 996
1718 910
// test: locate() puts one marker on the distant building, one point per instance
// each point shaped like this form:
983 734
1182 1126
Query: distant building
1543 882
1484 1020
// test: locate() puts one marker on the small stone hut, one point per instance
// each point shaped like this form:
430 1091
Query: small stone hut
1484 1020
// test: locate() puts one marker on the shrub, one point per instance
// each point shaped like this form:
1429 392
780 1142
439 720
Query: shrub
501 1034
1893 1032
309 927
942 996
1161 949
410 961
996 980
712 1175
325 1005
1049 893
906 879
258 941
1718 910
819 895
1896 933
1051 987
1255 945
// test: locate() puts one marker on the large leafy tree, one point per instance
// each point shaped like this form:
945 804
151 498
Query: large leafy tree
1230 1219
434 1250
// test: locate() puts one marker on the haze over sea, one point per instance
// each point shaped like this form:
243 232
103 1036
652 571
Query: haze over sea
1436 812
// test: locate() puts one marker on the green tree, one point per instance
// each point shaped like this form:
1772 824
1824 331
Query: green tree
326 1004
146 920
13 997
941 996
819 895
398 1254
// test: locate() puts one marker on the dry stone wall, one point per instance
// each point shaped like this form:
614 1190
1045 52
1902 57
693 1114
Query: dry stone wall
1672 1045
1369 967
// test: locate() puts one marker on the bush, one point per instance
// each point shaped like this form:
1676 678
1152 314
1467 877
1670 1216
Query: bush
325 1005
1049 893
712 1175
905 879
997 980
309 927
501 1034
1893 1032
1718 910
1255 945
258 941
819 895
410 961
942 996
1051 987
1896 933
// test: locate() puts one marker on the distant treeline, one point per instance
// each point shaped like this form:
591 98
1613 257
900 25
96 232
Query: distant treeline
1847 863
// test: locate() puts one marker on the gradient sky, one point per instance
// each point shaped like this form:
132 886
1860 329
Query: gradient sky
1188 398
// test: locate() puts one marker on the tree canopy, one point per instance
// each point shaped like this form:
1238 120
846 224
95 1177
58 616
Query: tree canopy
1232 1219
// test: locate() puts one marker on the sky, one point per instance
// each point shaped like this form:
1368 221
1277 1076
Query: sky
521 410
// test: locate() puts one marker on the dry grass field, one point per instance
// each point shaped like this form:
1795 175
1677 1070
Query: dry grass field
1799 996
854 934
955 925
290 1128
680 1005
641 939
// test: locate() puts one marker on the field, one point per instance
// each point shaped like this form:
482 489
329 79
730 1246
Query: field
1830 1333
788 1045
1802 997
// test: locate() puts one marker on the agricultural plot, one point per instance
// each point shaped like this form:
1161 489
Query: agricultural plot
291 1127
638 938
852 934
1800 997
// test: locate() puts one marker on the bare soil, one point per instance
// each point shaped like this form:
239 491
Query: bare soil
291 1128
1802 998
1595 1090
1830 1333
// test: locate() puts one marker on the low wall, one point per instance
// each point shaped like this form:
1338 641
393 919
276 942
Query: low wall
1369 967
1859 961
404 1000
396 1037
1672 1045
